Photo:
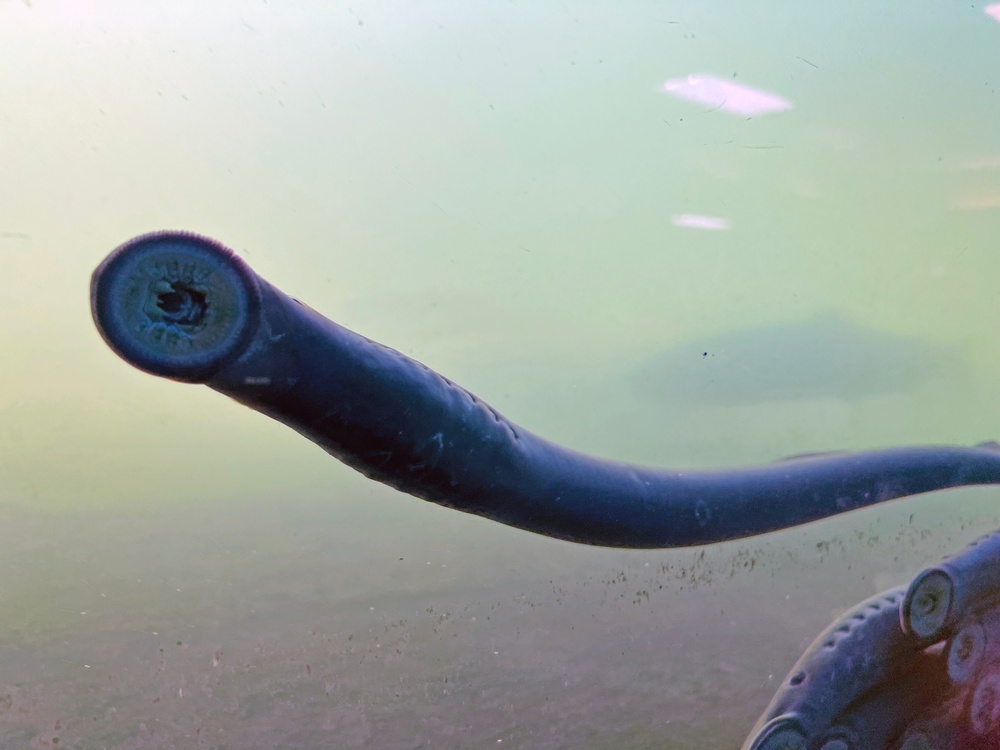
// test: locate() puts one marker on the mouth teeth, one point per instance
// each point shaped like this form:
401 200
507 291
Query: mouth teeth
175 304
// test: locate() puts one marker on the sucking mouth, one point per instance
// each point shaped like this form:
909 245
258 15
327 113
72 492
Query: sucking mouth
179 304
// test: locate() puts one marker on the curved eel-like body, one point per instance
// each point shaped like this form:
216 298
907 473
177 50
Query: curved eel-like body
864 654
883 678
185 307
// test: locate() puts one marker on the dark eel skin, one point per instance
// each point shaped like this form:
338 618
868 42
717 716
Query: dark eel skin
914 668
185 307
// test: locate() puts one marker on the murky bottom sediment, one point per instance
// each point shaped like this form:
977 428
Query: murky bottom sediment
262 626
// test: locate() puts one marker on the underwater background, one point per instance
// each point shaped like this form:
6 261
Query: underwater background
683 234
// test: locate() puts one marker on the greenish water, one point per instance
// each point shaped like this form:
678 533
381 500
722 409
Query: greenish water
505 191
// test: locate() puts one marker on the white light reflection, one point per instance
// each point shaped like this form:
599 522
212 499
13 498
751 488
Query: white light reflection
978 202
980 163
726 95
697 221
993 10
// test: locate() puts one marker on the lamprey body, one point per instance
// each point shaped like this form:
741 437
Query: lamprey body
185 307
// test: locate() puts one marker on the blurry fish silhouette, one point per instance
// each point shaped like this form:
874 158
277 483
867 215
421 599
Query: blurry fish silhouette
825 357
